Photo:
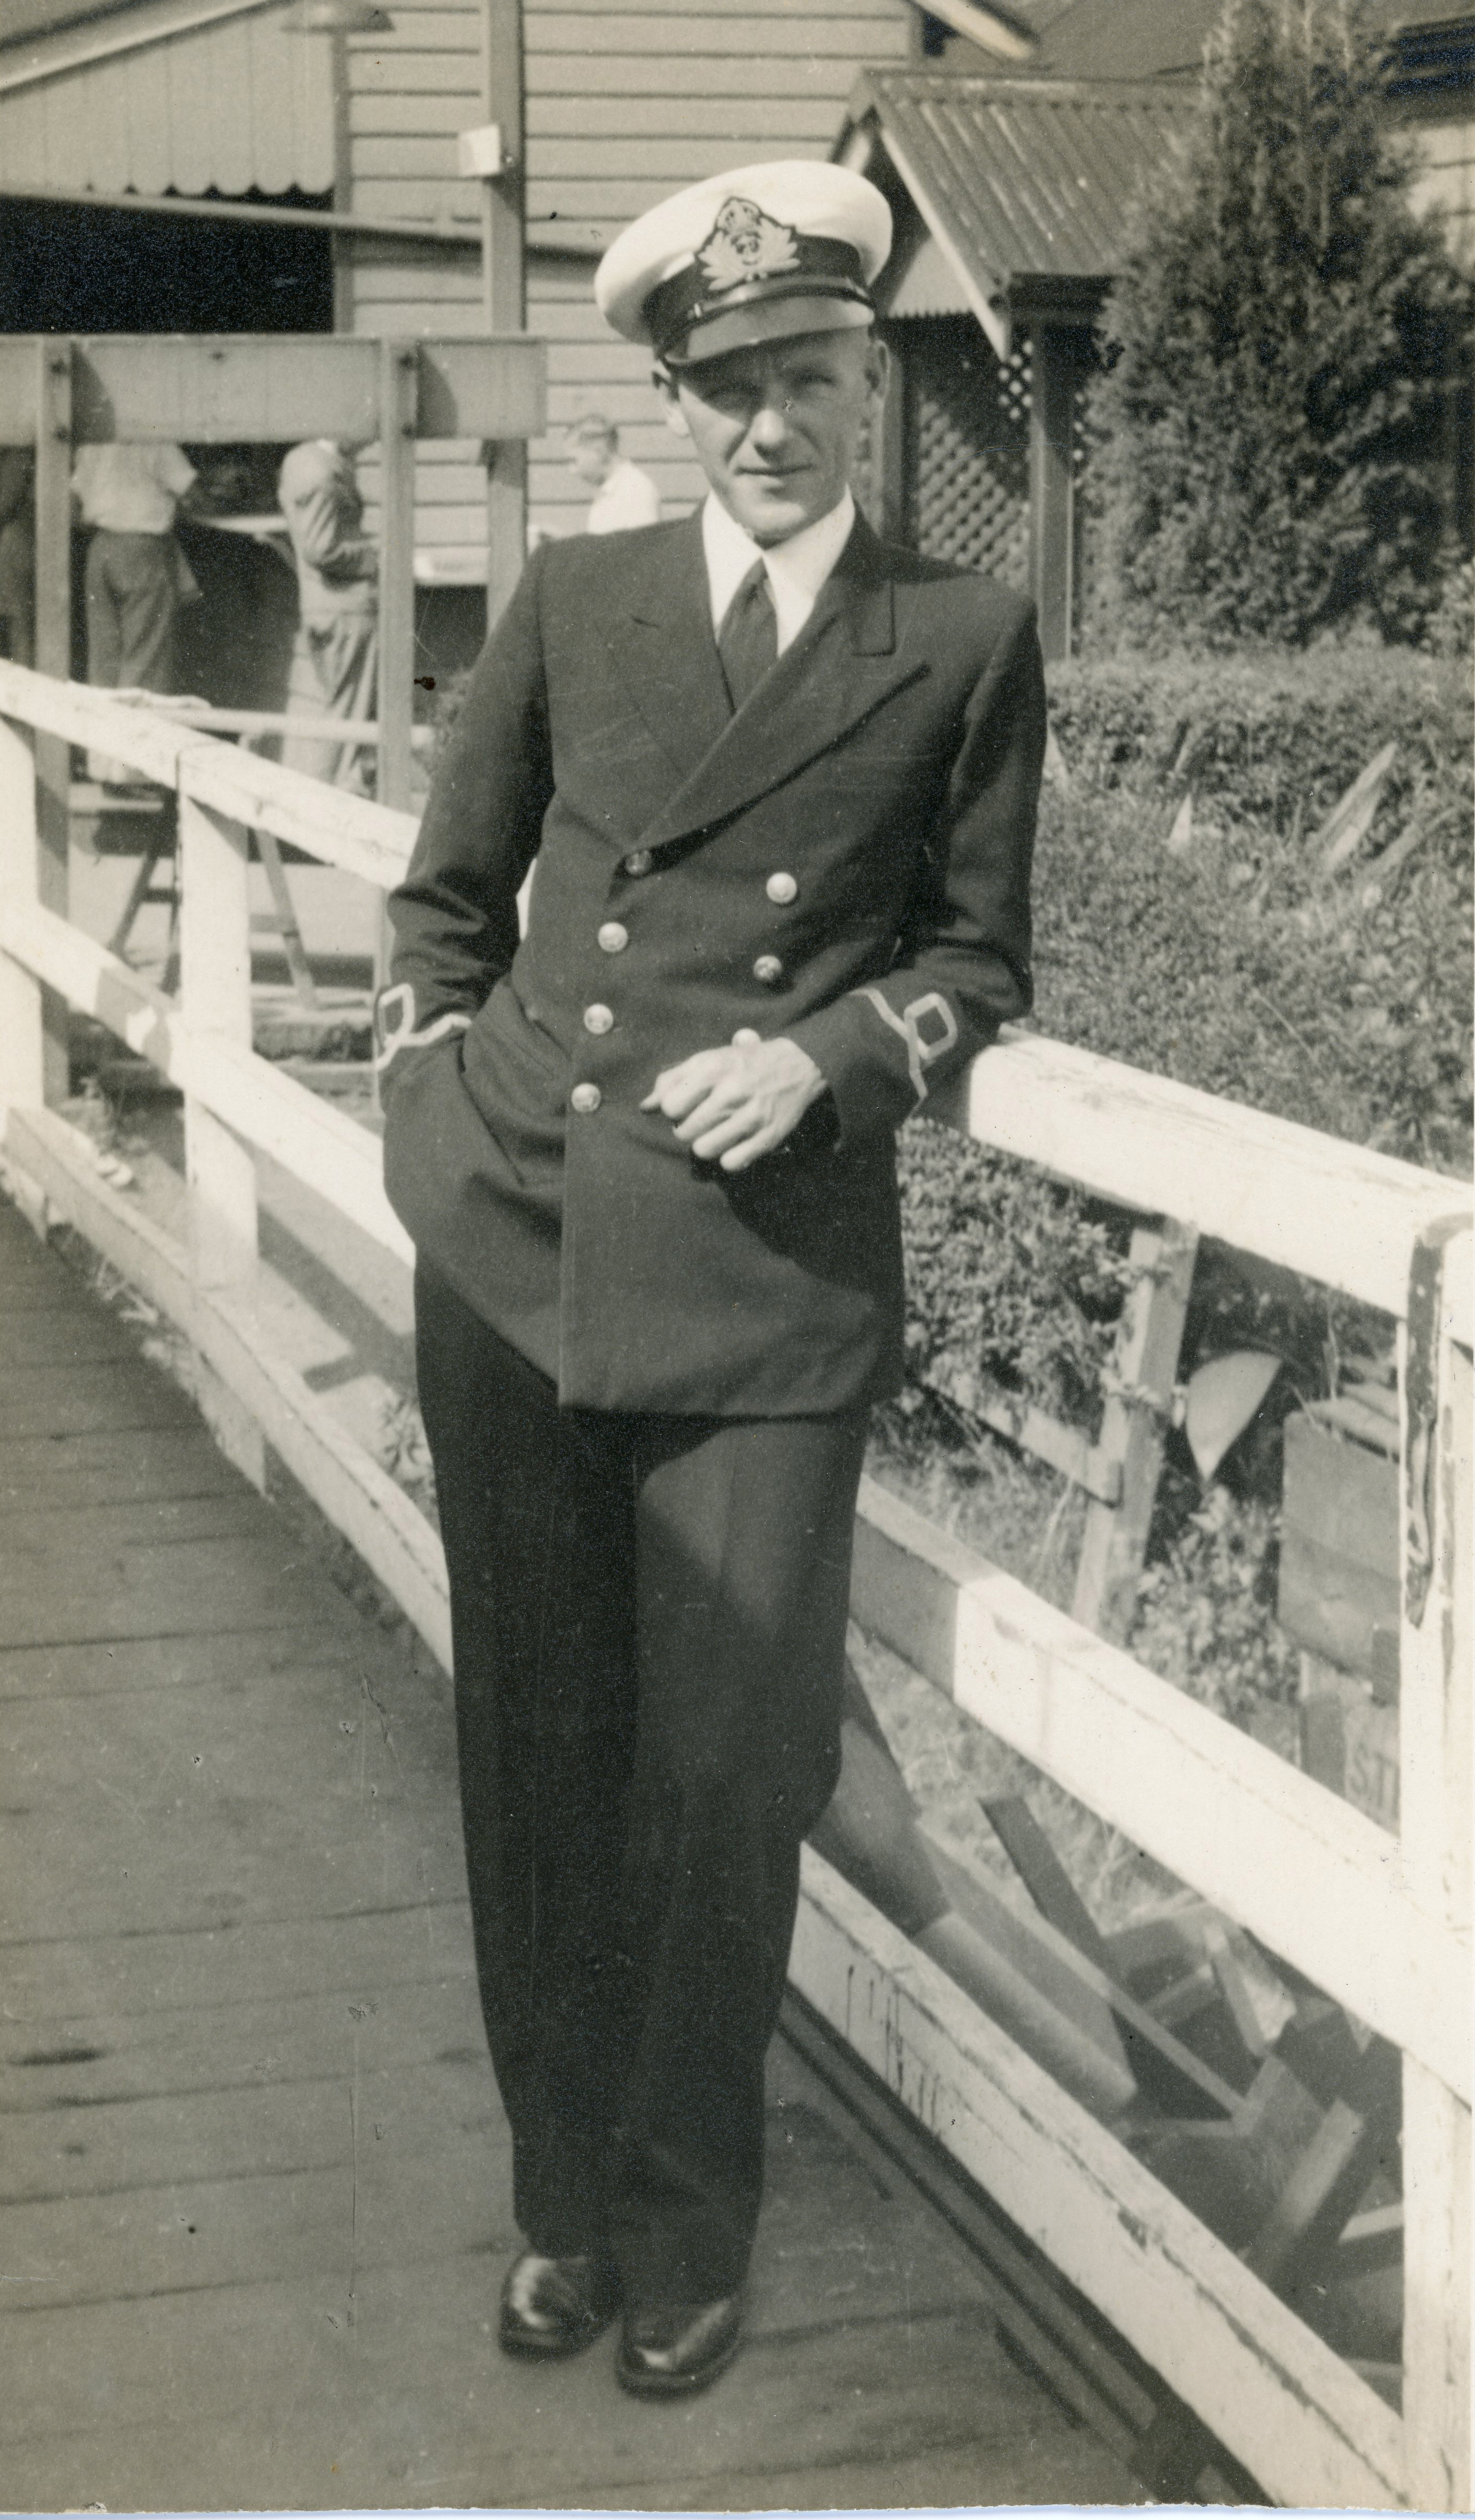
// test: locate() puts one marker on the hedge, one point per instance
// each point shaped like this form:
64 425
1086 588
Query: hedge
1342 1000
1236 966
1273 738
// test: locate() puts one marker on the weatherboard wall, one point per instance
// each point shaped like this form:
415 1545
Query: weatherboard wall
622 106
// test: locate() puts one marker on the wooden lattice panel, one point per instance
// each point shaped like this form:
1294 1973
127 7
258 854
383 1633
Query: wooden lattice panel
968 430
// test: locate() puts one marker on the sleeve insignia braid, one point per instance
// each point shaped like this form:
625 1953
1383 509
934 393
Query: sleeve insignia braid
395 1027
920 1053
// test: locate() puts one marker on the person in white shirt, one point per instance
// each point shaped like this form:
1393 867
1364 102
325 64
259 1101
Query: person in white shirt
334 658
135 575
623 495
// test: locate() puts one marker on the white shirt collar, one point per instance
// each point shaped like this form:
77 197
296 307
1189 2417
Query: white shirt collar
796 568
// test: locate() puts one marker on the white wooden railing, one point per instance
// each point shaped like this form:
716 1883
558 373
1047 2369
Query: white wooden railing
1381 1923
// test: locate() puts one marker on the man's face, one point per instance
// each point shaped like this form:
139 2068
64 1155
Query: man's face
592 460
776 428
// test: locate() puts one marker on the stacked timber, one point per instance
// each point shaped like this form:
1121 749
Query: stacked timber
1257 2101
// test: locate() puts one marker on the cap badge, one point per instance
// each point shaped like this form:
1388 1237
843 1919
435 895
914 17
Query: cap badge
745 244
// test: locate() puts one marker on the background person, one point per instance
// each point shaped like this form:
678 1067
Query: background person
334 658
17 555
623 495
779 782
135 577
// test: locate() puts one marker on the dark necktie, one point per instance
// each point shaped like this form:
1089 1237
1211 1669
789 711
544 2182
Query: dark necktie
748 641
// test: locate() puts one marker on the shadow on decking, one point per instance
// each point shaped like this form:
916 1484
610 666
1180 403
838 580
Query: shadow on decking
253 2204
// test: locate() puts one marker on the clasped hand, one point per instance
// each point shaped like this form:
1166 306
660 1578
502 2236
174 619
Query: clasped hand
733 1106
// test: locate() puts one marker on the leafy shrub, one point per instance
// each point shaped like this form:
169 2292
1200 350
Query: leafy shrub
1008 1274
1273 738
1341 1001
1352 1018
1344 1005
1269 456
1206 1609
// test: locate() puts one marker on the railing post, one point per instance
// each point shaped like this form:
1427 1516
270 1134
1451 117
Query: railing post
503 291
215 1001
1435 1750
215 998
399 410
1134 1427
22 1045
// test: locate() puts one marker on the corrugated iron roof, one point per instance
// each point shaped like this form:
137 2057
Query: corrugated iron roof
923 282
1020 179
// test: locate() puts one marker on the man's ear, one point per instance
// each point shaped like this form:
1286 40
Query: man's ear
878 366
665 385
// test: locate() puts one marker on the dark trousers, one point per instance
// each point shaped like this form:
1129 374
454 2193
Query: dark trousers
649 1619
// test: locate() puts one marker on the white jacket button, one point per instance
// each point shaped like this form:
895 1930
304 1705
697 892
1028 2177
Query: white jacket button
769 970
613 938
586 1097
597 1018
782 890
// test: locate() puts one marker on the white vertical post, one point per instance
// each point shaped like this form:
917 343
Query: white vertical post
1434 1767
399 416
399 413
503 291
22 1035
53 753
215 998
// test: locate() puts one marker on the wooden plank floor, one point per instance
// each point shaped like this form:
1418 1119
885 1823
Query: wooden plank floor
254 2193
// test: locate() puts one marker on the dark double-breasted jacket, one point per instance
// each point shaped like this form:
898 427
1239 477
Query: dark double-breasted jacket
845 860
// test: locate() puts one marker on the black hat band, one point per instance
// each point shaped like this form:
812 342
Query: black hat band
793 266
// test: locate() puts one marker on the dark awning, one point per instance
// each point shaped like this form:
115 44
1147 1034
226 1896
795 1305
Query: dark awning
1024 183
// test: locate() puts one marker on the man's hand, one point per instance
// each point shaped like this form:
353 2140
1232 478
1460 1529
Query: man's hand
736 1105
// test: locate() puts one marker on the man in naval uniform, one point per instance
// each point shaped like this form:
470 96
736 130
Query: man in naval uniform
778 784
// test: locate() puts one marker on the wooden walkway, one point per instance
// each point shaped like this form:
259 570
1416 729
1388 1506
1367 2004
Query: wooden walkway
253 2194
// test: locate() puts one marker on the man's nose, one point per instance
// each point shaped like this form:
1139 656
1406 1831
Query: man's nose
770 422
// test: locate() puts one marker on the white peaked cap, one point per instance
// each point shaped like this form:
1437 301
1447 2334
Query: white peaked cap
759 252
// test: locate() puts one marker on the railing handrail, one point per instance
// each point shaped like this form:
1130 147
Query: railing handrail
353 832
205 719
1335 1211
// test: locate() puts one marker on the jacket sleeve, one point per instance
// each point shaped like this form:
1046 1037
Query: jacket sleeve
962 967
454 916
326 520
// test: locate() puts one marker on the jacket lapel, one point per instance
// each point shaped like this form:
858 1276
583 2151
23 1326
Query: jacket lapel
841 666
669 660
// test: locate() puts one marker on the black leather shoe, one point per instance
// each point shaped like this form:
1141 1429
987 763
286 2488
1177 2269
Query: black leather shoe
676 2347
553 2306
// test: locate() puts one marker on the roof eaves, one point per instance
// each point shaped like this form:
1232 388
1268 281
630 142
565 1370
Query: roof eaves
985 292
33 61
888 78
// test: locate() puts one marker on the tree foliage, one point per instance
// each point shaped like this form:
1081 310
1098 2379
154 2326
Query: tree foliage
1272 420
